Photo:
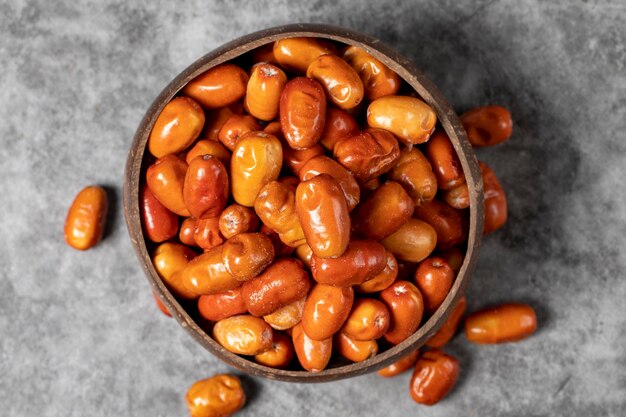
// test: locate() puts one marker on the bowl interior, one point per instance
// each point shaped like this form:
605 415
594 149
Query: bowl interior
136 165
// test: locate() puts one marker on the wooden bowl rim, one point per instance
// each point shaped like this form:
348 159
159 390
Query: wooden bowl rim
427 91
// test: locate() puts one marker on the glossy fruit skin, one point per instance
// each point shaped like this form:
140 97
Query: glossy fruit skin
178 125
160 305
410 119
448 329
280 249
342 84
495 200
186 232
401 365
446 221
384 211
457 197
406 307
215 307
207 274
296 54
487 125
273 128
324 165
263 91
378 79
206 187
368 320
323 214
159 224
367 188
276 207
413 242
219 86
406 270
302 112
295 159
236 219
444 161
169 259
501 324
367 154
209 147
304 253
362 260
216 118
290 181
234 128
454 257
279 355
86 217
415 174
206 233
313 355
218 396
286 317
282 283
166 178
325 310
264 53
384 279
354 350
434 377
243 334
257 160
434 278
339 123
247 255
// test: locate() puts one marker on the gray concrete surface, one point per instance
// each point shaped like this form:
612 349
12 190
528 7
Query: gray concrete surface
79 333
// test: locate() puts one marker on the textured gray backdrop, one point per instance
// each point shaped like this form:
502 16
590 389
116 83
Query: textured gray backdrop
79 332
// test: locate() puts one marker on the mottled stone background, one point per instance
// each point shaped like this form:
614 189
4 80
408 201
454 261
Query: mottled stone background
79 332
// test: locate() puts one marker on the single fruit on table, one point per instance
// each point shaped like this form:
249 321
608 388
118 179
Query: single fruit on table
84 224
218 396
501 324
434 377
495 200
488 125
